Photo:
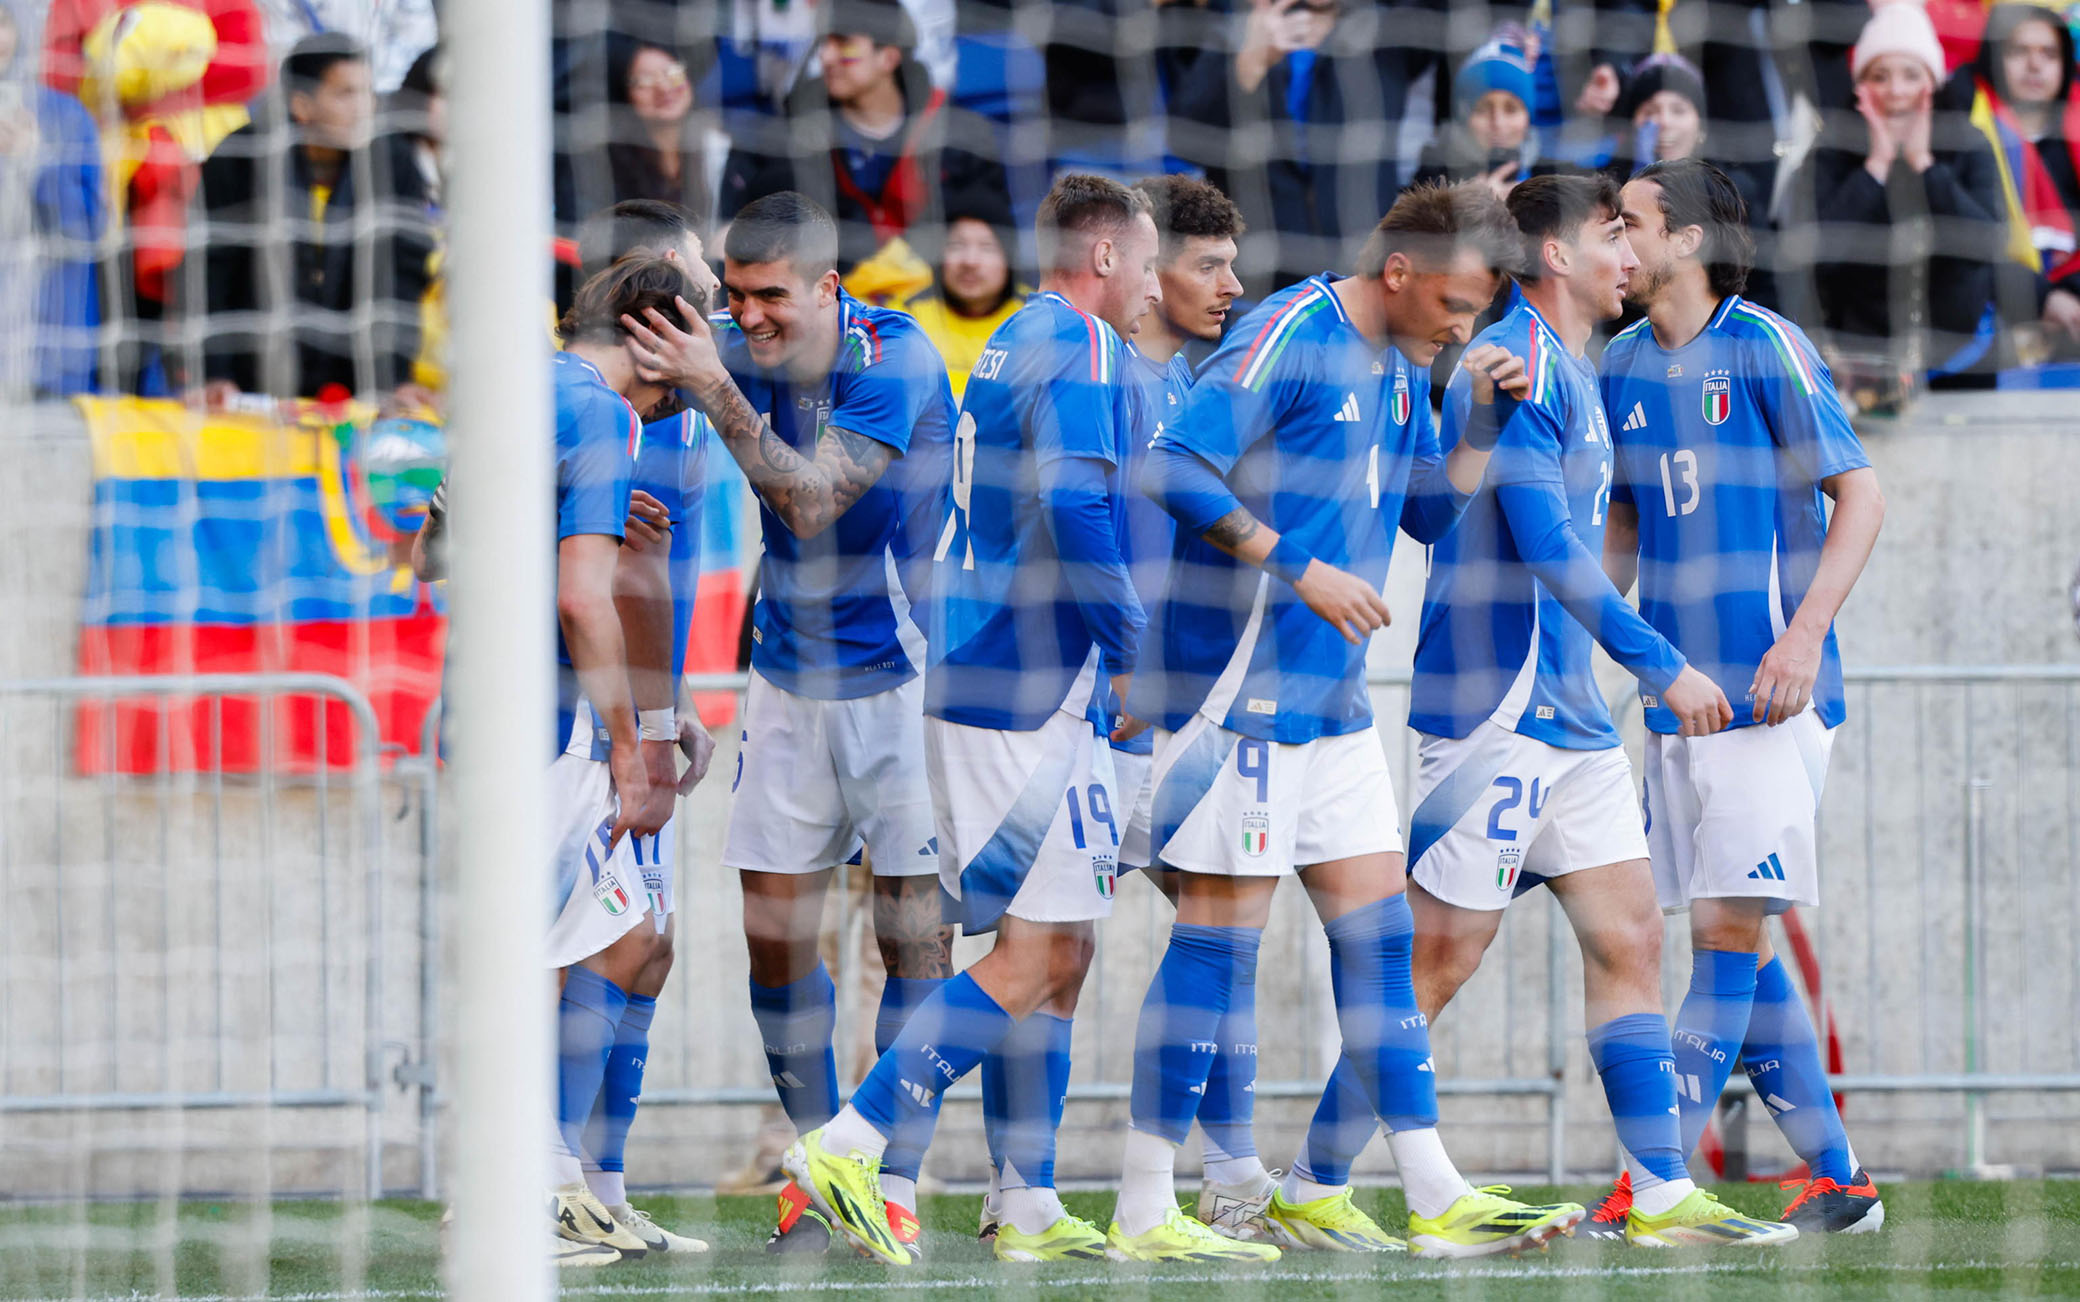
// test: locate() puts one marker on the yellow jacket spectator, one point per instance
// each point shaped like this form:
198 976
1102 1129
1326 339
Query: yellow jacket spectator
973 291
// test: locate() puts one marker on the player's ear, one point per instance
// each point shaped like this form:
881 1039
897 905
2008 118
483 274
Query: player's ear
827 288
1104 256
1689 240
1556 256
1395 276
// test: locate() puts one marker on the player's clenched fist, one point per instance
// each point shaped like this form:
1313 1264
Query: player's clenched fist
1494 367
1352 606
1697 703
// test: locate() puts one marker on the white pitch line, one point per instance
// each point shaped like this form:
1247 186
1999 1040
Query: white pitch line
1527 1271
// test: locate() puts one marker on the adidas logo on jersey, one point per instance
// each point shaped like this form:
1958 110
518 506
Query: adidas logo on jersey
1349 410
1636 419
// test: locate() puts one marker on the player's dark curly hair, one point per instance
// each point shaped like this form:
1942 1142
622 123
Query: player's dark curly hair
1085 205
626 288
1694 193
1557 207
1431 222
1186 208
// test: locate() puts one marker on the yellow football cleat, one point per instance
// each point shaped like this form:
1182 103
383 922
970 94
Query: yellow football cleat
582 1218
1484 1223
1069 1239
1332 1224
847 1190
1701 1220
1180 1238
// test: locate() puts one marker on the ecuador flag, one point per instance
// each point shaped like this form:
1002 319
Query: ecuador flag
246 543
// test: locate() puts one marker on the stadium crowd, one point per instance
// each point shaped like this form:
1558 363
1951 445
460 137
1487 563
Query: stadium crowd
215 197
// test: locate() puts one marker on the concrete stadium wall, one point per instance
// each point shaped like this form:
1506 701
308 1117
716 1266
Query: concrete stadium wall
1981 539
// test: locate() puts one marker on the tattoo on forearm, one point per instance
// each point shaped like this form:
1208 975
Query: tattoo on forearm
1232 530
915 941
808 493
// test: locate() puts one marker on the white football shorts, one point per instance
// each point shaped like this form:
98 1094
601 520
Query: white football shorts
1029 823
1131 770
1236 806
1497 813
817 779
598 895
1732 815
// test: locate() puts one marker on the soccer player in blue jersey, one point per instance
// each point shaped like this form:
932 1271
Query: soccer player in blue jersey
840 415
1729 433
1304 446
1522 779
1034 630
1197 227
655 582
609 788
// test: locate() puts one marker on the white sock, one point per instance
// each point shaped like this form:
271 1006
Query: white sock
1429 1181
849 1133
1656 1199
607 1186
1147 1184
565 1169
1030 1209
1296 1188
1244 1171
900 1190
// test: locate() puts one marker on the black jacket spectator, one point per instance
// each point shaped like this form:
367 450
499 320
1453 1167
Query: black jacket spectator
1903 254
876 188
1306 149
306 279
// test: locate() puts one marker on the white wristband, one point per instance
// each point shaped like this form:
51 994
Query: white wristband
657 725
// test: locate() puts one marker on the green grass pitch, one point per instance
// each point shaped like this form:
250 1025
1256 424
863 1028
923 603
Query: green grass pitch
1952 1240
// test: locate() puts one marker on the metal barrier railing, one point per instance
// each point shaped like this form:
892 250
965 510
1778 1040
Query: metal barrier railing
84 1059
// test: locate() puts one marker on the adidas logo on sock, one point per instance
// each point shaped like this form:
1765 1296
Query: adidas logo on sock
1349 410
923 1096
1636 419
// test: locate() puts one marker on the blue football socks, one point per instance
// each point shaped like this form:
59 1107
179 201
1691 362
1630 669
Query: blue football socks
1633 1057
795 1022
1782 1058
945 1039
900 997
587 1020
621 1085
1708 1031
1386 1038
1176 1041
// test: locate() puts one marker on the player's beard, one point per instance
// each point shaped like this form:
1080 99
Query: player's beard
1647 284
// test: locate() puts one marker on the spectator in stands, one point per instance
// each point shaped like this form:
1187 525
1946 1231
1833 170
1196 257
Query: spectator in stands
281 275
1490 138
974 288
52 212
873 143
414 162
655 150
1104 112
2021 91
1908 207
1292 119
166 82
1661 115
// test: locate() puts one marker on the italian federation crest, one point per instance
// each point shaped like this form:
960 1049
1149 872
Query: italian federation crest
1256 833
1400 407
1508 862
1105 871
1718 399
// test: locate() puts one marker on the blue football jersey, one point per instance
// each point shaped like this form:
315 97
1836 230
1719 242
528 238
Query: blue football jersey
1722 444
673 468
1009 636
1151 532
1515 590
597 435
833 620
1328 440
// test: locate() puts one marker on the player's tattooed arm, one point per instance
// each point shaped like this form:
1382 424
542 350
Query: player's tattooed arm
807 493
1232 530
915 941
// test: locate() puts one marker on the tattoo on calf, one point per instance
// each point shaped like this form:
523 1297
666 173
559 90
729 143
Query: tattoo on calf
912 933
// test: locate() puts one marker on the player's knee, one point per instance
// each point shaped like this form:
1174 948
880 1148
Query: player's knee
1068 961
1730 926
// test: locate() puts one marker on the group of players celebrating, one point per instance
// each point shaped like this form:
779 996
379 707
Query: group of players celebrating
1111 613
